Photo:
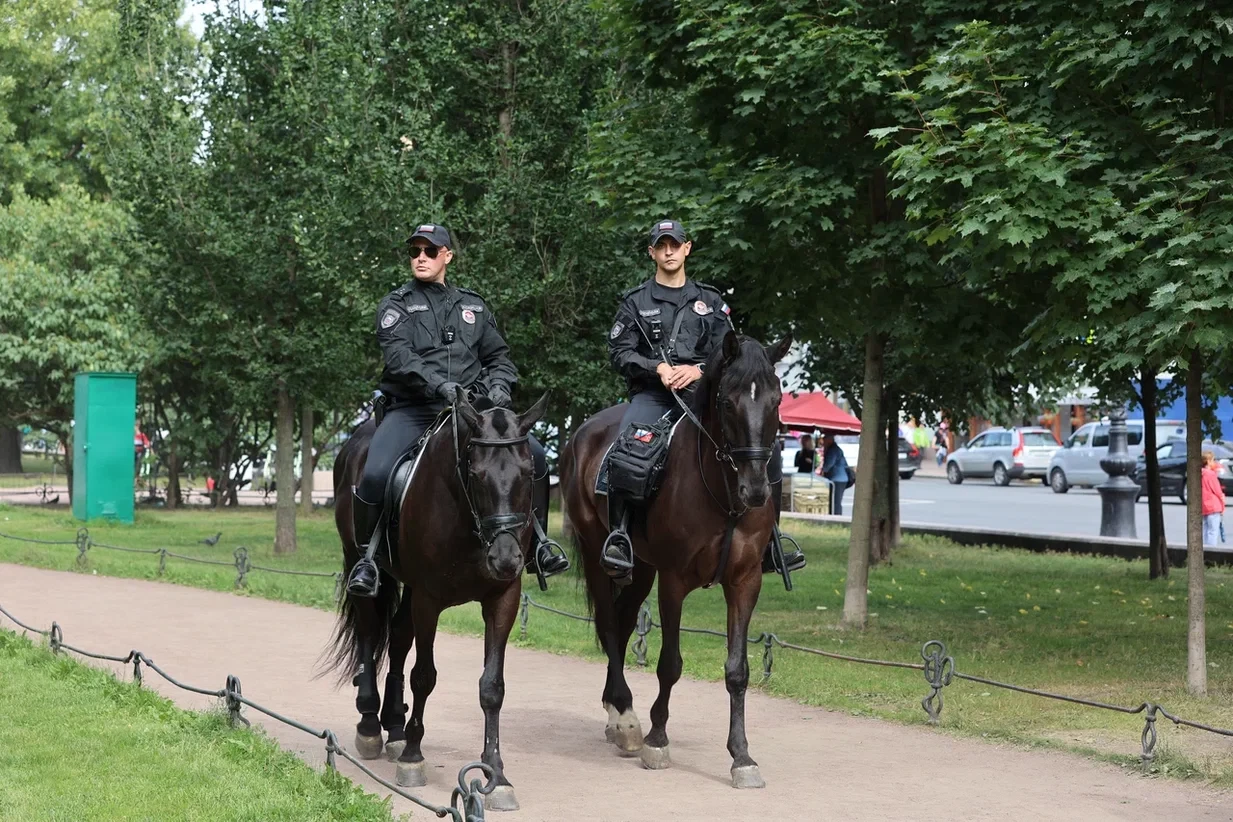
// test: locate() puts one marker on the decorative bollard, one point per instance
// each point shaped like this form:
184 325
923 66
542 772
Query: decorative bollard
232 692
83 545
524 614
1149 735
1117 496
642 627
241 567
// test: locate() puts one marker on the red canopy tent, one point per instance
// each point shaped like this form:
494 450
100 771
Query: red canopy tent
814 410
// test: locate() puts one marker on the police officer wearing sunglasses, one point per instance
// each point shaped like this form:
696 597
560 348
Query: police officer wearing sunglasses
665 331
434 338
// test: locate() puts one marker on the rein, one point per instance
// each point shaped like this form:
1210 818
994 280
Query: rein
488 528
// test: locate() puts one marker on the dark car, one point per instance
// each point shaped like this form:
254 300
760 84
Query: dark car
909 459
1172 459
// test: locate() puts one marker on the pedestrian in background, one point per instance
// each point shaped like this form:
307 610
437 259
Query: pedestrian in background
1213 500
835 468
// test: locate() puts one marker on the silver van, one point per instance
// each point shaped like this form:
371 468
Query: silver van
1077 463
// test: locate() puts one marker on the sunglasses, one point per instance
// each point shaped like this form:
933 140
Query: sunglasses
430 252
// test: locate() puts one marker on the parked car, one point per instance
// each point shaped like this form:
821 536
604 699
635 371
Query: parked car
1172 459
1004 454
909 459
1078 461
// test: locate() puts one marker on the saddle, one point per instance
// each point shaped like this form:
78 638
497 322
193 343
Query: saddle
396 487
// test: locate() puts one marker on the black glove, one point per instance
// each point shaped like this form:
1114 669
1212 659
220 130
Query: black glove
499 395
448 391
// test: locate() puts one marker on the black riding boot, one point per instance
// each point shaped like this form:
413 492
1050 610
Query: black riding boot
547 557
794 559
617 555
364 578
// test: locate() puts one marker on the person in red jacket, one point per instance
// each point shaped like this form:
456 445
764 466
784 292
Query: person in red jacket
1213 500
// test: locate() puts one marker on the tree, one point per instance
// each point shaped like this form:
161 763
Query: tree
1085 145
758 117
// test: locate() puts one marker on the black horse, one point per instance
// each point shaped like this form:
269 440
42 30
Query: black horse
707 525
464 535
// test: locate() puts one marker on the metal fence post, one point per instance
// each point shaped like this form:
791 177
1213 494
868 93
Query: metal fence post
768 654
234 705
137 668
939 668
1149 736
55 637
524 614
642 627
83 545
162 561
241 567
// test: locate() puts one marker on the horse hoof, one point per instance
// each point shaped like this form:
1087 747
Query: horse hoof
501 799
394 749
624 730
655 759
368 747
747 776
411 775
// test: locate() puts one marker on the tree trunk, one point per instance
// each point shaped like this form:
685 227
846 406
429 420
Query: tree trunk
173 475
855 597
1196 645
306 460
10 450
1157 544
284 475
880 526
892 471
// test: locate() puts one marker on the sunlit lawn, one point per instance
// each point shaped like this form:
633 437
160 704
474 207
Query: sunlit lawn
1084 626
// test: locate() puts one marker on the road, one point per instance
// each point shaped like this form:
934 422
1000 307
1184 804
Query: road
1023 506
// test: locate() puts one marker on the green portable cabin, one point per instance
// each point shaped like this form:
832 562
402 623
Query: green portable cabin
104 416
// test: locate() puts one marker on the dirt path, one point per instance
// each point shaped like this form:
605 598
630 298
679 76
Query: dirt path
818 765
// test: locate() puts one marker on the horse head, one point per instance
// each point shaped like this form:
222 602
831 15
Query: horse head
741 393
495 468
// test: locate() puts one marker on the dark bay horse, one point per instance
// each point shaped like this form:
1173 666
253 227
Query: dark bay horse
709 523
463 536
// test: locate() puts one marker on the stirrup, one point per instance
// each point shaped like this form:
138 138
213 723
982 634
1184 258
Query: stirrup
546 553
777 556
363 588
617 555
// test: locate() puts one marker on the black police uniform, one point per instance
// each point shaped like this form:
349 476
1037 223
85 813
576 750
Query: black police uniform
683 326
432 335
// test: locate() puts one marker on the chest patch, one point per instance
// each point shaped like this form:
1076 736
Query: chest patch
702 309
651 312
476 308
416 307
468 316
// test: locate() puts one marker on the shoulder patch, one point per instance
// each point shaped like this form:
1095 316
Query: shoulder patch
390 318
617 328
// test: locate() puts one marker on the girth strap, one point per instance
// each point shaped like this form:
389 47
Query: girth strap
725 551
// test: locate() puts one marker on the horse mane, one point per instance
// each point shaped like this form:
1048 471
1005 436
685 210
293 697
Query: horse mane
750 363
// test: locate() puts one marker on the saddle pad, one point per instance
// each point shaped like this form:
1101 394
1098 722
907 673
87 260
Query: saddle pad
403 475
601 479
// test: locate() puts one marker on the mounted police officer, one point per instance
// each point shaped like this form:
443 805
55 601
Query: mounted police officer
664 333
434 338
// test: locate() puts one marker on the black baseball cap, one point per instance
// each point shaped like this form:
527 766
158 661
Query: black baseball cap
438 235
667 228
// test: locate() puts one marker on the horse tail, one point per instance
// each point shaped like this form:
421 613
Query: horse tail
569 474
359 618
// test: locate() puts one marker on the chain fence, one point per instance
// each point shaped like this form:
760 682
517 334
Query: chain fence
937 665
466 800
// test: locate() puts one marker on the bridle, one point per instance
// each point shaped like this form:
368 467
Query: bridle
488 528
725 454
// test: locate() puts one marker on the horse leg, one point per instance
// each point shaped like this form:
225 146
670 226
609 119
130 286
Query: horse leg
368 730
741 596
499 614
623 728
671 599
411 772
393 706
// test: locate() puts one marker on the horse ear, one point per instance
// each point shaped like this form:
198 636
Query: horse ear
532 415
777 351
467 411
732 346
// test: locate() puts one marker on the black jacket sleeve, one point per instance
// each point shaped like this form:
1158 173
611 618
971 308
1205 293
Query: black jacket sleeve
623 342
402 361
718 321
496 366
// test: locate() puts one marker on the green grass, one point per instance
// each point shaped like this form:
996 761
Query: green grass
76 744
1082 626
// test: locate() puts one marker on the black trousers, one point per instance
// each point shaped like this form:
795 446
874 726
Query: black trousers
402 426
